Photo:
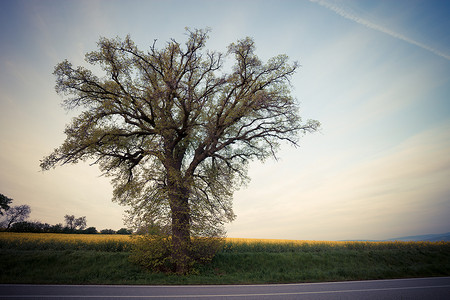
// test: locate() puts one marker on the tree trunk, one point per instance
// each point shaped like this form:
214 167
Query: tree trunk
181 239
178 193
179 204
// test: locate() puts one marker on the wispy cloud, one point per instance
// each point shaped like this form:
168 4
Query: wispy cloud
402 191
349 14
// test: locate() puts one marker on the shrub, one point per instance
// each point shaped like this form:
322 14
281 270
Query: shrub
203 249
154 252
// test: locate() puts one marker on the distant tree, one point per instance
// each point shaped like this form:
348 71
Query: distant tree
67 230
58 228
39 227
4 203
23 227
36 227
107 231
90 230
16 214
80 223
124 231
74 224
174 131
44 227
70 221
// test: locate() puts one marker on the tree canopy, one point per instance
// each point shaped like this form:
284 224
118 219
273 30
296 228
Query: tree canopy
4 203
16 214
75 223
173 130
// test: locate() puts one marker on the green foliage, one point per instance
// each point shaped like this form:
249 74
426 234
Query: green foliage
204 249
173 130
154 252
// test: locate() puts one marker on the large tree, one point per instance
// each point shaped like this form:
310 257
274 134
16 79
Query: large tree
174 130
16 214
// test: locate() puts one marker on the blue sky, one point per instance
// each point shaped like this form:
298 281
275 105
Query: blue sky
376 74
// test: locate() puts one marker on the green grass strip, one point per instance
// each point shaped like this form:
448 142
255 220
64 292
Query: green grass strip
331 264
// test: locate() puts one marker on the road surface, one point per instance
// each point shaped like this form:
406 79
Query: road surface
421 288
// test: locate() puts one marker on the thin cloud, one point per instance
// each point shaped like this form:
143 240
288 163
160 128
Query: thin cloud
402 191
344 12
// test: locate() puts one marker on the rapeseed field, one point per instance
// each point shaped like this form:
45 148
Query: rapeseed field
277 245
60 241
123 243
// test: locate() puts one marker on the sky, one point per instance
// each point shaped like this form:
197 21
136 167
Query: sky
376 74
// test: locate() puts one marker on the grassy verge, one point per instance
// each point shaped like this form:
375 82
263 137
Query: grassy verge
335 265
238 263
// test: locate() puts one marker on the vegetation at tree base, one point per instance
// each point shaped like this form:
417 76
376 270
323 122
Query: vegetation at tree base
174 131
98 259
154 252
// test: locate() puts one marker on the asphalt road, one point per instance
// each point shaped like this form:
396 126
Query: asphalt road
421 288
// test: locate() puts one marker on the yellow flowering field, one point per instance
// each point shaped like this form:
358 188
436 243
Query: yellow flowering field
60 241
120 243
279 245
